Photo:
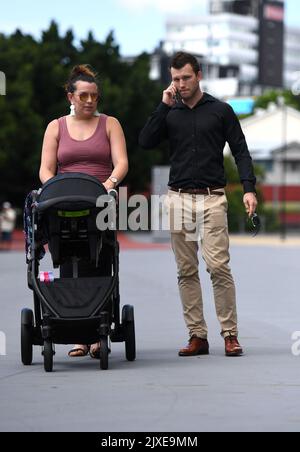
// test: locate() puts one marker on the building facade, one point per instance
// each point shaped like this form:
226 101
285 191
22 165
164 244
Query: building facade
242 45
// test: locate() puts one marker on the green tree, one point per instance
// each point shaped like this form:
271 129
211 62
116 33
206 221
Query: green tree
55 58
20 131
36 71
273 96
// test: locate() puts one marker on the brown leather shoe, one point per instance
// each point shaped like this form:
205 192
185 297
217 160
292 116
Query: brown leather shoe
232 346
196 346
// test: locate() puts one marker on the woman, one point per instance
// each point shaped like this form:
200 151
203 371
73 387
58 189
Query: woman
87 142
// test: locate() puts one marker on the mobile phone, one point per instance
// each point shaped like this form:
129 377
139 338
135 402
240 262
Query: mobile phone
177 97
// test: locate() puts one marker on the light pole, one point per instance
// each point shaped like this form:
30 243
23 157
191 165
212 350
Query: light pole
2 84
283 225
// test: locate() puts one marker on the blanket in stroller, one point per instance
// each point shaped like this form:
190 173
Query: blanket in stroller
40 241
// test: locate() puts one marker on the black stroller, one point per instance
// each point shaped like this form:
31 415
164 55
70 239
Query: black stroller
82 305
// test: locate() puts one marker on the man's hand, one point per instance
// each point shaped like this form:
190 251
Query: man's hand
169 95
250 202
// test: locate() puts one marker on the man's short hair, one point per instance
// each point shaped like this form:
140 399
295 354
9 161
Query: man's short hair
181 59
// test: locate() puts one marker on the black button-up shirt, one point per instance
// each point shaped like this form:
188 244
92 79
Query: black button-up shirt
197 138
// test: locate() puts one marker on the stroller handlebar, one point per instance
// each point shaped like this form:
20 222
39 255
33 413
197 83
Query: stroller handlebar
113 193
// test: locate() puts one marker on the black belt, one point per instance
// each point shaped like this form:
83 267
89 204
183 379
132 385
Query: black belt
199 191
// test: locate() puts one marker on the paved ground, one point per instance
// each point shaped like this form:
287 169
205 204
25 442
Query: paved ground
160 391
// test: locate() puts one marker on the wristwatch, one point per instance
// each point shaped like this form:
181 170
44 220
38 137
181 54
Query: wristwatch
114 180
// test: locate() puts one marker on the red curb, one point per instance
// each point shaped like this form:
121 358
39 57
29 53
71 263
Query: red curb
126 243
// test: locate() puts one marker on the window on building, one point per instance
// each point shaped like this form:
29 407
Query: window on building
292 166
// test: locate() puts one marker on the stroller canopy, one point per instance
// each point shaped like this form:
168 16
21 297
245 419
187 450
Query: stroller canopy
75 187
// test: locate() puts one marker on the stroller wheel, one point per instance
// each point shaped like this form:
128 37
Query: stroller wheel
26 336
104 352
129 332
48 353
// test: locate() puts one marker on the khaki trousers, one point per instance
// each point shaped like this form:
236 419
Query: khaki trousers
209 214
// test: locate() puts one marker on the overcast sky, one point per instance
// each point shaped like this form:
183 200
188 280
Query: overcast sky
138 24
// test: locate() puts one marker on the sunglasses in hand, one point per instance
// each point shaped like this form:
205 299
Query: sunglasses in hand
256 224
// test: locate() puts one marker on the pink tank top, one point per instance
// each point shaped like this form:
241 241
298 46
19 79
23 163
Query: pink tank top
91 156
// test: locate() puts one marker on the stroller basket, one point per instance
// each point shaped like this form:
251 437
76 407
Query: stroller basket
73 298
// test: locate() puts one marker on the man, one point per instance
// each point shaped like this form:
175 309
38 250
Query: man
198 126
7 225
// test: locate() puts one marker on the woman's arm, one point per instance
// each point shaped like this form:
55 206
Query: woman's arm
118 151
49 152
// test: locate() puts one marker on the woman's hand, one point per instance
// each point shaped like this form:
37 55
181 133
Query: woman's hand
109 185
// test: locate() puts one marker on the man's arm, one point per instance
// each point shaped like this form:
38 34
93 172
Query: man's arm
237 142
155 130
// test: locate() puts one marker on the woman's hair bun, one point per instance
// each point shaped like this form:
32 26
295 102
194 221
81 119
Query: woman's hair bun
81 72
82 69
